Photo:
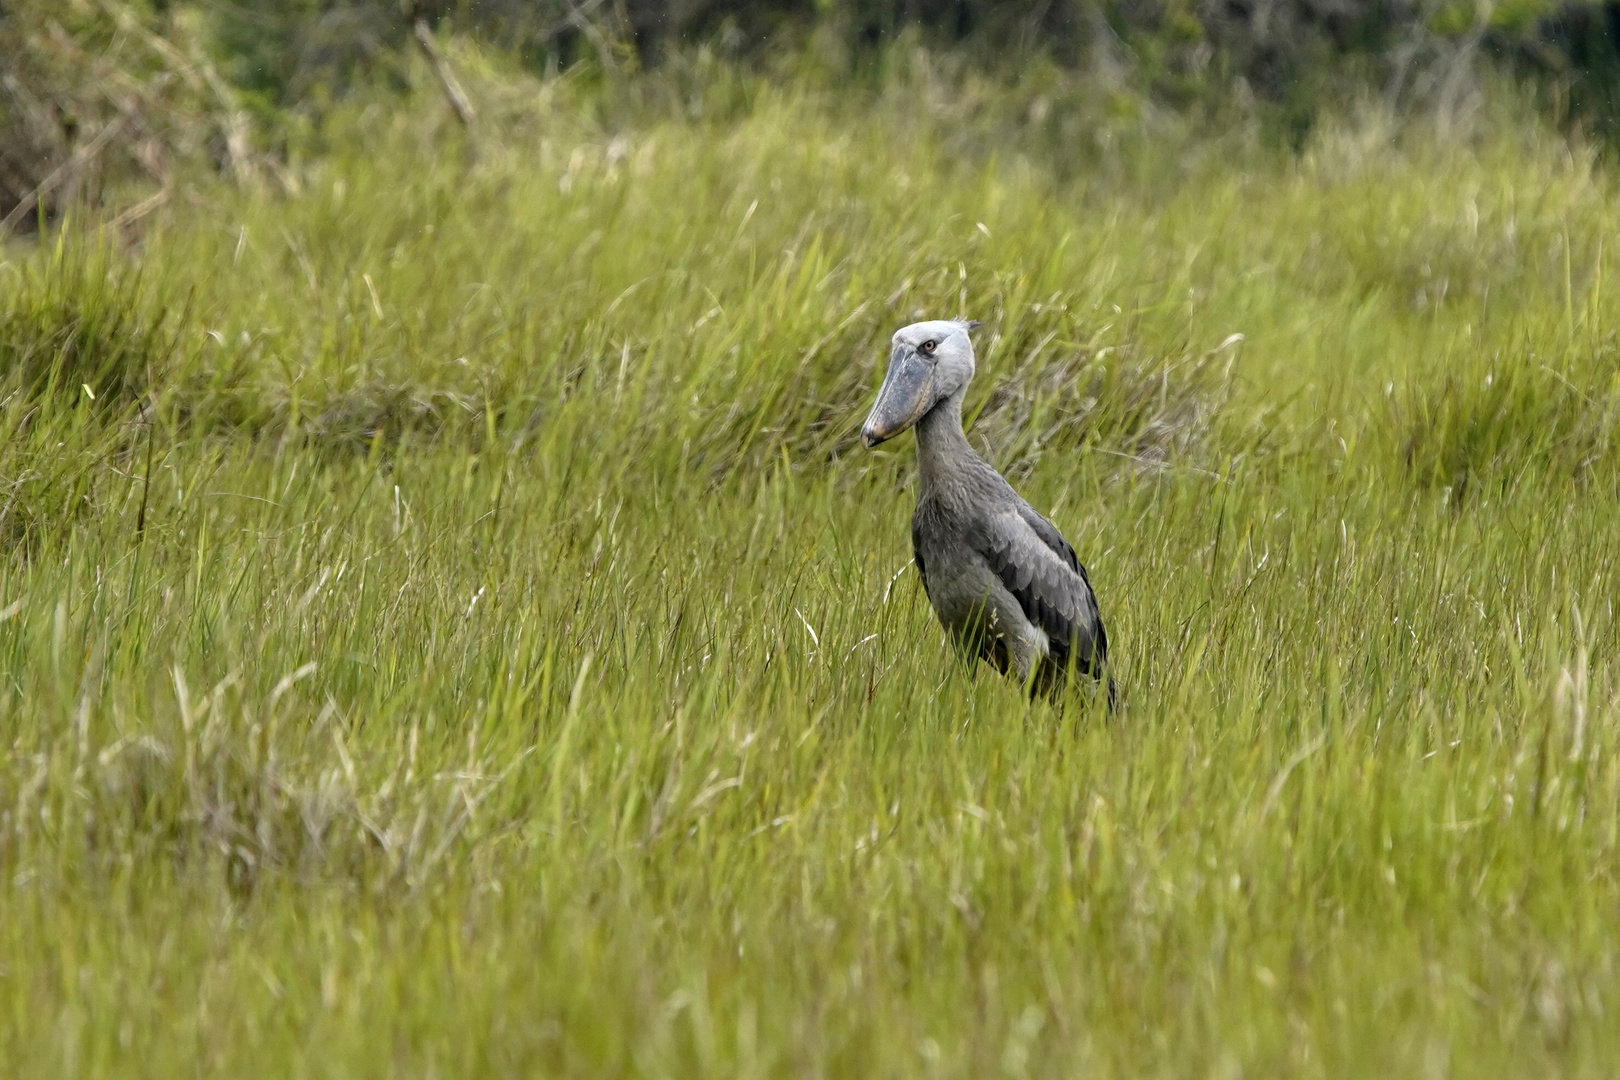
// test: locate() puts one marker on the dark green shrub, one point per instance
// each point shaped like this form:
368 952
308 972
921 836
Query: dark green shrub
81 325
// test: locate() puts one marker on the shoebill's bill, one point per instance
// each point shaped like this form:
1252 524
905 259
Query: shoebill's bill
1005 584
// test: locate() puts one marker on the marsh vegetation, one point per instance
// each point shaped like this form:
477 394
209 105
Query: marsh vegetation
449 627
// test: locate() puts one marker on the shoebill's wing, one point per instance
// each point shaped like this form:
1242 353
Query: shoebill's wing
1041 571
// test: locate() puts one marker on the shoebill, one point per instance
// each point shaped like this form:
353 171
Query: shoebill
1005 584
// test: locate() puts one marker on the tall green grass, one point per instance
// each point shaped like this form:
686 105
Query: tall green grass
476 645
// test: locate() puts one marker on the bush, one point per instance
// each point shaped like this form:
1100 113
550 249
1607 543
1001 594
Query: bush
1474 432
81 324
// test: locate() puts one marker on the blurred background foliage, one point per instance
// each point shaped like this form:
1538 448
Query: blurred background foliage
95 92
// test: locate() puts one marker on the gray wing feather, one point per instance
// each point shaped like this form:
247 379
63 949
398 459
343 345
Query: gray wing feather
1052 539
1042 572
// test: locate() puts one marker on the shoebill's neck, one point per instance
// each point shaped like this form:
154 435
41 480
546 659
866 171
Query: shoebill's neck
943 452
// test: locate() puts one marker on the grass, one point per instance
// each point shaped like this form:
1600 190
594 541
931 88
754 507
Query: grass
478 646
